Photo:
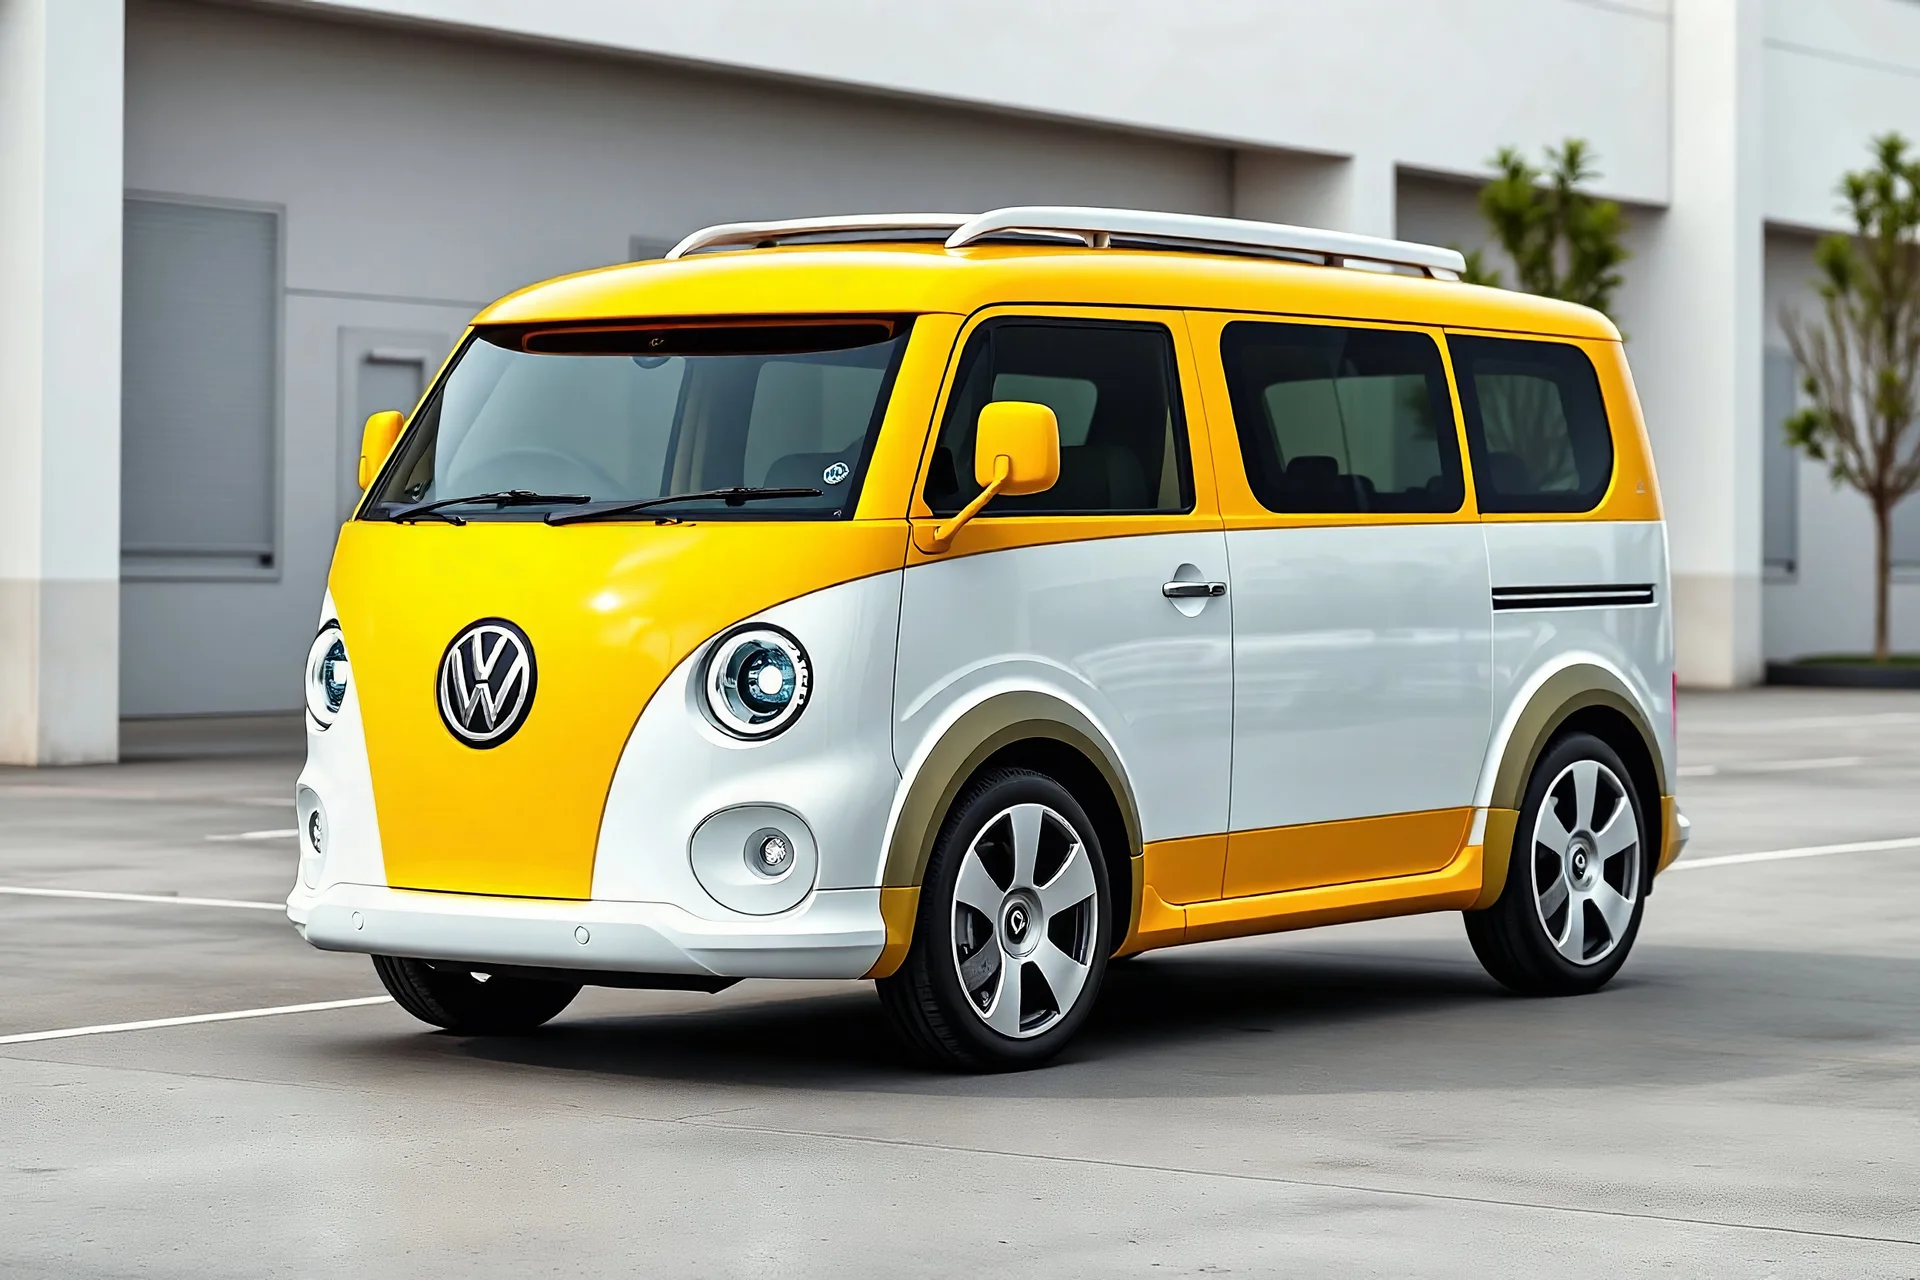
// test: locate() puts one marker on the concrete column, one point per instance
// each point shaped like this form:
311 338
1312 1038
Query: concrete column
1697 341
61 95
1351 193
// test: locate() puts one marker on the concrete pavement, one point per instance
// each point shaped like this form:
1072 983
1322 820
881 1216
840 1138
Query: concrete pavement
1743 1100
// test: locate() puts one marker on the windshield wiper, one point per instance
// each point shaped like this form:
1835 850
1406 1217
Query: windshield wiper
733 497
499 498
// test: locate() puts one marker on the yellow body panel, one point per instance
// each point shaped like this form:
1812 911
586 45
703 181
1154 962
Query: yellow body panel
913 279
1187 870
1279 859
1170 869
898 907
610 609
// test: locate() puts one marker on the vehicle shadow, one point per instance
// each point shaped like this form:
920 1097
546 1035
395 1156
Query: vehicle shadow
1242 1019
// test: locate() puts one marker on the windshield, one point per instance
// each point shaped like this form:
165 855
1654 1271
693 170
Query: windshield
624 413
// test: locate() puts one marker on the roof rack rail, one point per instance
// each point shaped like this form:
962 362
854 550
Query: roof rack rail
743 234
1096 228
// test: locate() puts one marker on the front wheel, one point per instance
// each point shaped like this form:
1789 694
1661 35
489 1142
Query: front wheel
1576 879
470 1000
1013 930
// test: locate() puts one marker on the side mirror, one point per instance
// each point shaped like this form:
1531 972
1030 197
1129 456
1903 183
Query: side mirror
376 442
1016 450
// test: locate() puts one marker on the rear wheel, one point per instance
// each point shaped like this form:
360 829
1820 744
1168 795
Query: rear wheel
1576 878
1012 936
469 1000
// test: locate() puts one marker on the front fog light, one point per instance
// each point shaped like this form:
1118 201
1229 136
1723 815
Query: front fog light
756 681
327 675
313 836
769 853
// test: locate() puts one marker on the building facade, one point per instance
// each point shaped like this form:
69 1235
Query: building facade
229 231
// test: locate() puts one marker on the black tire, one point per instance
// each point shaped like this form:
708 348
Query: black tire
444 994
1521 940
926 1000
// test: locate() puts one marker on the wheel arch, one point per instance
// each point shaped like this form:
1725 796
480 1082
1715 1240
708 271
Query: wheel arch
1025 728
1581 696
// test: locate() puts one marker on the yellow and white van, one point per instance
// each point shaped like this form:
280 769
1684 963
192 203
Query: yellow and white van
965 601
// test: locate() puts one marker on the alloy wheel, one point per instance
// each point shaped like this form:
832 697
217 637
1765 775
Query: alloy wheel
1025 916
1586 862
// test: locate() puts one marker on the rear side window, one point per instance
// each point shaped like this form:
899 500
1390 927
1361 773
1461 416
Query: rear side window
1536 425
1115 391
1336 420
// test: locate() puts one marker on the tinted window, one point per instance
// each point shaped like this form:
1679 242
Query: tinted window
1113 388
1334 419
640 413
1536 426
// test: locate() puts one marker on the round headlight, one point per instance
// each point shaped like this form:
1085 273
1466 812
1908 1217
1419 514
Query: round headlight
756 681
327 674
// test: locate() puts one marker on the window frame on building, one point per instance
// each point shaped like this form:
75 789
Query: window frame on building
186 559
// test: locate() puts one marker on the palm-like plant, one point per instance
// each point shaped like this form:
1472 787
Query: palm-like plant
1564 242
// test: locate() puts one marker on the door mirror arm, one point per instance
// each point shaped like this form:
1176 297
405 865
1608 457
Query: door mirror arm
940 537
1016 451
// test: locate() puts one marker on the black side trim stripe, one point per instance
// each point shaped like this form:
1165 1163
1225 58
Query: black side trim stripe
1590 596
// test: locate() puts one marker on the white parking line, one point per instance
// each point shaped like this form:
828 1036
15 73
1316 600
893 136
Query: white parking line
164 899
1784 855
68 1033
1864 721
278 833
1770 766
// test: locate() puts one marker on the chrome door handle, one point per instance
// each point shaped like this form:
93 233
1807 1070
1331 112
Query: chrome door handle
1193 590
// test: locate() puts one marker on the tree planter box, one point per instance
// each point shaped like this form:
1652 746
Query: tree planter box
1846 675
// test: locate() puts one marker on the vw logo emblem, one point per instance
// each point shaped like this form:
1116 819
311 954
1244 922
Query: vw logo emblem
486 683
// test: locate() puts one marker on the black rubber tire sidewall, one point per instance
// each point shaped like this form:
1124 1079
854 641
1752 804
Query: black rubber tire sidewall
924 998
449 998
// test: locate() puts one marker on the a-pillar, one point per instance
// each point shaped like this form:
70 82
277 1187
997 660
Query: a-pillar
1335 193
61 77
1697 336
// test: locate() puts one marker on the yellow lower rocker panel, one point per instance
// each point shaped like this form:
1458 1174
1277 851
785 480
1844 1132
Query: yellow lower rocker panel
1454 887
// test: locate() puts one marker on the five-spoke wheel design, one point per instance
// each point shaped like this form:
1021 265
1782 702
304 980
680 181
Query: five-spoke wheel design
1025 915
1576 877
1013 928
1586 862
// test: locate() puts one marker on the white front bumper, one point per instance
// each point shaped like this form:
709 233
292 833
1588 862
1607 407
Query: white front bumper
835 933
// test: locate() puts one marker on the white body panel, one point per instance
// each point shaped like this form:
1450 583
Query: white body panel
1086 622
337 771
834 766
833 934
1362 680
1634 642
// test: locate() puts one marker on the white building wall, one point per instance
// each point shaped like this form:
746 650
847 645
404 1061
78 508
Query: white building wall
60 131
430 154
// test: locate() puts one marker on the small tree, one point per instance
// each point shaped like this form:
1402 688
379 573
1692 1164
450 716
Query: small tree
1861 357
1564 242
